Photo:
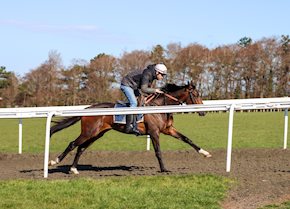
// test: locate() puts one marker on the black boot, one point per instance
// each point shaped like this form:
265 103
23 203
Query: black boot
135 126
131 125
129 121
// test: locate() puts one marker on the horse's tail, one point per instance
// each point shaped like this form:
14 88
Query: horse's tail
62 124
69 121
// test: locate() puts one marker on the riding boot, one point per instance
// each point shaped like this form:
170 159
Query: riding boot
129 120
135 126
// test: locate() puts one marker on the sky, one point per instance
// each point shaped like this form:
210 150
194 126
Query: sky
81 29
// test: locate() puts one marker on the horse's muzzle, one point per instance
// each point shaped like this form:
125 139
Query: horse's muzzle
201 113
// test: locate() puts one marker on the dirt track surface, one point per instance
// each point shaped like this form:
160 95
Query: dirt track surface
262 175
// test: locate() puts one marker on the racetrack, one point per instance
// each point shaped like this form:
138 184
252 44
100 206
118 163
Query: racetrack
262 175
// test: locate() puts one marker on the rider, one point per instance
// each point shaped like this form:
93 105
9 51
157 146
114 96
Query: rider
140 79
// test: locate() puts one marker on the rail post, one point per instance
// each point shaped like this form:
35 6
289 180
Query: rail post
47 140
20 136
230 138
285 127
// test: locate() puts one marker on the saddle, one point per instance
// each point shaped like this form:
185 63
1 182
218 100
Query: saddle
142 100
121 119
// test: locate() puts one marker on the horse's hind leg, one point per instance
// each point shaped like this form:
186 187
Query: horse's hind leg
72 145
81 149
173 132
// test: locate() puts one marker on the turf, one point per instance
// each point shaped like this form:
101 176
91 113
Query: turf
200 191
254 129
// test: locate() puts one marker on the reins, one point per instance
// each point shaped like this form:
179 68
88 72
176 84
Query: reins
153 96
173 98
149 98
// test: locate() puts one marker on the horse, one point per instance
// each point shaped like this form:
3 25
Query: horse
94 127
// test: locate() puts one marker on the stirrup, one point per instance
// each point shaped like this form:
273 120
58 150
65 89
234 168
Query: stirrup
136 131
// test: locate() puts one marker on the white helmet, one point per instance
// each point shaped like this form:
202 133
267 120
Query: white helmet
161 68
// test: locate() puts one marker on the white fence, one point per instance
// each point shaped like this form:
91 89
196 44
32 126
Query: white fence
213 105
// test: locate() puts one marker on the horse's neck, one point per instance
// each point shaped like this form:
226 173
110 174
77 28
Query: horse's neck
102 105
171 101
164 100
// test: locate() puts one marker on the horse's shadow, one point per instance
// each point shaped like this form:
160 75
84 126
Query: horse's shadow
66 169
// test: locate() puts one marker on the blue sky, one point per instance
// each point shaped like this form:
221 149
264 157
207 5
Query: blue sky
76 29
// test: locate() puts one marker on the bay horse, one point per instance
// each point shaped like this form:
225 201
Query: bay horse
94 127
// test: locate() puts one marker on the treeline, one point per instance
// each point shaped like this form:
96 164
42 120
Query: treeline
246 69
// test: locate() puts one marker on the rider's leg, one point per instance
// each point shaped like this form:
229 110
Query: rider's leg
135 126
129 121
129 93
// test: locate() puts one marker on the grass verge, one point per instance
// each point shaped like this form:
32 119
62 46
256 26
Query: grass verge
190 191
285 205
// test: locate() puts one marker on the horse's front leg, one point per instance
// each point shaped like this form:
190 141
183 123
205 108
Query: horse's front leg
173 132
155 141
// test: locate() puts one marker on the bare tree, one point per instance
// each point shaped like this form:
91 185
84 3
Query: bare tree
172 51
190 63
40 86
100 76
283 73
133 61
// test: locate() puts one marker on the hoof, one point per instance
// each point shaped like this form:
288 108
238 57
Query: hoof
165 171
205 153
74 171
208 156
52 163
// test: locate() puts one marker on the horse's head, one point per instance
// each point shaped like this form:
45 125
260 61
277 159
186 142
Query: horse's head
187 94
192 96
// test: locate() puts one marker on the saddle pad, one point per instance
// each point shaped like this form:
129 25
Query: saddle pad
122 118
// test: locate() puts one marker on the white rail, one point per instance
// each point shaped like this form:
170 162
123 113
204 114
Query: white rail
213 105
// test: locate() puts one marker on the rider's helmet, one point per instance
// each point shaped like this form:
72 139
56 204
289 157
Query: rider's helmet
161 68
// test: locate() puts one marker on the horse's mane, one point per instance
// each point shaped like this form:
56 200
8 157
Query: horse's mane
171 87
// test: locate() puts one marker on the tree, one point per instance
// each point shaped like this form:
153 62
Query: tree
245 41
158 54
100 76
8 87
285 42
172 51
134 60
283 74
4 75
72 84
40 87
222 74
190 64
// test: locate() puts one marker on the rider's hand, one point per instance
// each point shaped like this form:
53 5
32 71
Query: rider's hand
159 91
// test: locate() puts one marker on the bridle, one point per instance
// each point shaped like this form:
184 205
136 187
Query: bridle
192 97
